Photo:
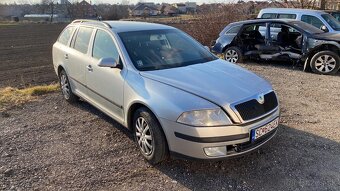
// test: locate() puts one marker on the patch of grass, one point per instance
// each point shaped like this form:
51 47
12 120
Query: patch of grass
7 24
12 96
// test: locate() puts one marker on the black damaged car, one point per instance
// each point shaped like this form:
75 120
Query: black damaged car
276 39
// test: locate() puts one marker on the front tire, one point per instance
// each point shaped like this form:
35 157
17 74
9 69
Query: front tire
66 88
149 136
233 55
325 62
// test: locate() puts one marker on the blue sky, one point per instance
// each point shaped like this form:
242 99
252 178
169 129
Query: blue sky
130 1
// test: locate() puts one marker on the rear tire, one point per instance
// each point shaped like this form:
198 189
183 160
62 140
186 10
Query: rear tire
233 55
325 62
149 136
66 88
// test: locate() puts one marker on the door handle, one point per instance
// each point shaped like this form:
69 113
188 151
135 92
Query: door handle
89 68
66 56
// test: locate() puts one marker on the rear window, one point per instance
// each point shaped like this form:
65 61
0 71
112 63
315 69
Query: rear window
65 35
234 30
83 38
269 16
286 16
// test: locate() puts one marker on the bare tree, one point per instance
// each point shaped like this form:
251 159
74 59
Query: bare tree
49 4
304 4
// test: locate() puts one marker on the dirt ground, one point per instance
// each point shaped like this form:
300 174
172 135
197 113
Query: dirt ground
49 144
25 54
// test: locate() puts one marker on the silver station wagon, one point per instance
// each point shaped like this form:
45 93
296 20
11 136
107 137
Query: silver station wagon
176 97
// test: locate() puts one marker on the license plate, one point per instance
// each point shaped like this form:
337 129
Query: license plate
259 132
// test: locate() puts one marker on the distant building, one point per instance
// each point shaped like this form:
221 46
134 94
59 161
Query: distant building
191 7
85 10
168 10
182 8
144 9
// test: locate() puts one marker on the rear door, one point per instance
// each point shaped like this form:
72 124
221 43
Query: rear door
62 47
78 59
105 85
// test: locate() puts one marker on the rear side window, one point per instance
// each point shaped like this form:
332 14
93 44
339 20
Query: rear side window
312 20
103 46
286 16
83 38
269 16
234 30
65 35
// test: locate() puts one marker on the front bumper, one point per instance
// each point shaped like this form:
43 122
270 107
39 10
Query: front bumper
187 141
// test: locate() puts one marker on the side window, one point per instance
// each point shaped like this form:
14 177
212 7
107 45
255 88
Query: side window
82 40
234 30
104 46
312 20
65 35
287 16
269 16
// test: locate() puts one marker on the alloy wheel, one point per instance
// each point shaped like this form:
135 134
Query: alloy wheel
231 56
144 136
65 87
325 63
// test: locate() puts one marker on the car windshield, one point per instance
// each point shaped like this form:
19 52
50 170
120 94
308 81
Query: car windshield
336 15
331 21
162 49
308 28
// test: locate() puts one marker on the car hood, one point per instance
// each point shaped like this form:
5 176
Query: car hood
218 81
327 36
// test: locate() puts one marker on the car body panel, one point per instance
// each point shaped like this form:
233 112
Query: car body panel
207 74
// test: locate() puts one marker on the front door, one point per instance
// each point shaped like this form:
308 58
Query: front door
105 85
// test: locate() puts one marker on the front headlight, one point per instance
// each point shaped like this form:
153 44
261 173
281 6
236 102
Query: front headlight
209 117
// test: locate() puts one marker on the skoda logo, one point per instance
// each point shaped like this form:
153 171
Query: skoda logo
260 99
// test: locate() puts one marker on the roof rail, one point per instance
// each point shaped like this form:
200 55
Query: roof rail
103 23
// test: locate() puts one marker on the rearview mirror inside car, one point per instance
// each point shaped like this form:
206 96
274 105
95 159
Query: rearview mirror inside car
109 62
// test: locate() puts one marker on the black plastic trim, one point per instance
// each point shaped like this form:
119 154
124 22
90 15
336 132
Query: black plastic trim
211 139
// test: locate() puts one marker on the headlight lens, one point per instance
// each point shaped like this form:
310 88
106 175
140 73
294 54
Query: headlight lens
209 117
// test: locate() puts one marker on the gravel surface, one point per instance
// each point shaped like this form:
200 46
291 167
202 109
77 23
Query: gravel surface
49 144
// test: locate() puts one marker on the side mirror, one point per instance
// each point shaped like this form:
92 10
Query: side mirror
110 63
324 28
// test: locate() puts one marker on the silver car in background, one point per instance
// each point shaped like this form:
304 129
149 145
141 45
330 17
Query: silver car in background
175 96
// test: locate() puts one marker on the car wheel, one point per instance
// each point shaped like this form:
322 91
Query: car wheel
149 136
325 62
66 88
233 55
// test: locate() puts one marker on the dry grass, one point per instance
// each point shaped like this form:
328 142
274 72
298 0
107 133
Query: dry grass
12 96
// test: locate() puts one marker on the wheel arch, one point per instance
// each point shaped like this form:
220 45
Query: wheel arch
133 108
59 69
323 47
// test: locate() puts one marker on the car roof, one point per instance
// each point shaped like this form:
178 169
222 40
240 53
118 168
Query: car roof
263 21
290 10
123 26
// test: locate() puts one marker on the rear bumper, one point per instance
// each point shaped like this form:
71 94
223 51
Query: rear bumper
189 142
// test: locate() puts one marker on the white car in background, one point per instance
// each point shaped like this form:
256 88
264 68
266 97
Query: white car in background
317 18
